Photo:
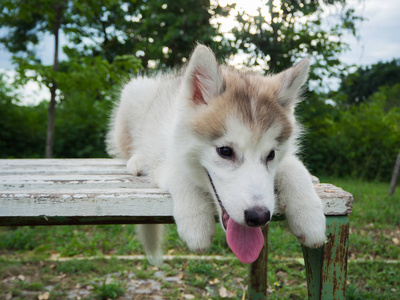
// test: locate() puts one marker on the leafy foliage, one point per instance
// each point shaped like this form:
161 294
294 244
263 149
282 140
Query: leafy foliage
358 86
160 34
21 127
88 87
284 31
27 21
106 39
81 127
109 40
360 134
361 141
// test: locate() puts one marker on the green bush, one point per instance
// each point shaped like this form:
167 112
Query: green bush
22 128
80 128
361 141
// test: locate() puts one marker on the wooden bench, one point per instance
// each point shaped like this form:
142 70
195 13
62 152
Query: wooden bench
100 191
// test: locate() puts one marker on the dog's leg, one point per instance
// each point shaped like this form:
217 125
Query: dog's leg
193 212
151 236
134 166
300 202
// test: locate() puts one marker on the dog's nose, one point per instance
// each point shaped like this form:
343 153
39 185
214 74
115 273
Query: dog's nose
257 216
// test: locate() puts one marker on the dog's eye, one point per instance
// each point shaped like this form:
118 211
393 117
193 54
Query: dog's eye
271 156
225 152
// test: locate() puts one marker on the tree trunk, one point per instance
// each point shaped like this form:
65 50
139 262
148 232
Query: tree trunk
395 175
273 63
50 121
52 105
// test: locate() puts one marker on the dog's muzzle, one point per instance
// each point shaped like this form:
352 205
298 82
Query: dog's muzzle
254 217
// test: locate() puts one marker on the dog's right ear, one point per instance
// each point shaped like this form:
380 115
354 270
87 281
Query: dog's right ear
203 77
292 80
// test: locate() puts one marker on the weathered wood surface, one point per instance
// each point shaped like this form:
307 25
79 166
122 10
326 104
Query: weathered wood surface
326 267
91 191
395 175
258 272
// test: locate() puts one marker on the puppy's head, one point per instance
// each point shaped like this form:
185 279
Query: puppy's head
243 124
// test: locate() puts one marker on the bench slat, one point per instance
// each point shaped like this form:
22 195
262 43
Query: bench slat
72 182
62 162
97 191
62 166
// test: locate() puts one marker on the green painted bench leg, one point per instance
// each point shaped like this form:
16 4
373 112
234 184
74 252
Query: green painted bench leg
326 267
258 272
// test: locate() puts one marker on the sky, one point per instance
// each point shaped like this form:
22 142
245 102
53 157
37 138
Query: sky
379 33
379 39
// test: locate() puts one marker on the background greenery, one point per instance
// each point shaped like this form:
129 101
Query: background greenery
352 131
351 135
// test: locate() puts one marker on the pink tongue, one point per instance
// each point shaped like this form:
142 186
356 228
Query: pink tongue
245 242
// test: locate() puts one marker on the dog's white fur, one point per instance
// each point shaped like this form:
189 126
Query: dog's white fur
169 126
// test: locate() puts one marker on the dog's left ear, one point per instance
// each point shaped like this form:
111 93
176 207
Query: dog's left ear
202 76
291 82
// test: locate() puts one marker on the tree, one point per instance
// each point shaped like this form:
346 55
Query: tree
284 31
162 34
26 20
173 28
21 131
87 90
358 86
155 32
361 141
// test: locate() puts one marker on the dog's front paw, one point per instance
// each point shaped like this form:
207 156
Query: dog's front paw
197 232
309 228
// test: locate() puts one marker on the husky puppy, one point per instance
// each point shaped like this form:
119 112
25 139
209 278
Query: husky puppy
220 141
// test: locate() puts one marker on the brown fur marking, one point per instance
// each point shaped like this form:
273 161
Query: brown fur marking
250 96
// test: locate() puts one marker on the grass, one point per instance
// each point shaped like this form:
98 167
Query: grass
107 291
375 221
28 268
372 206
